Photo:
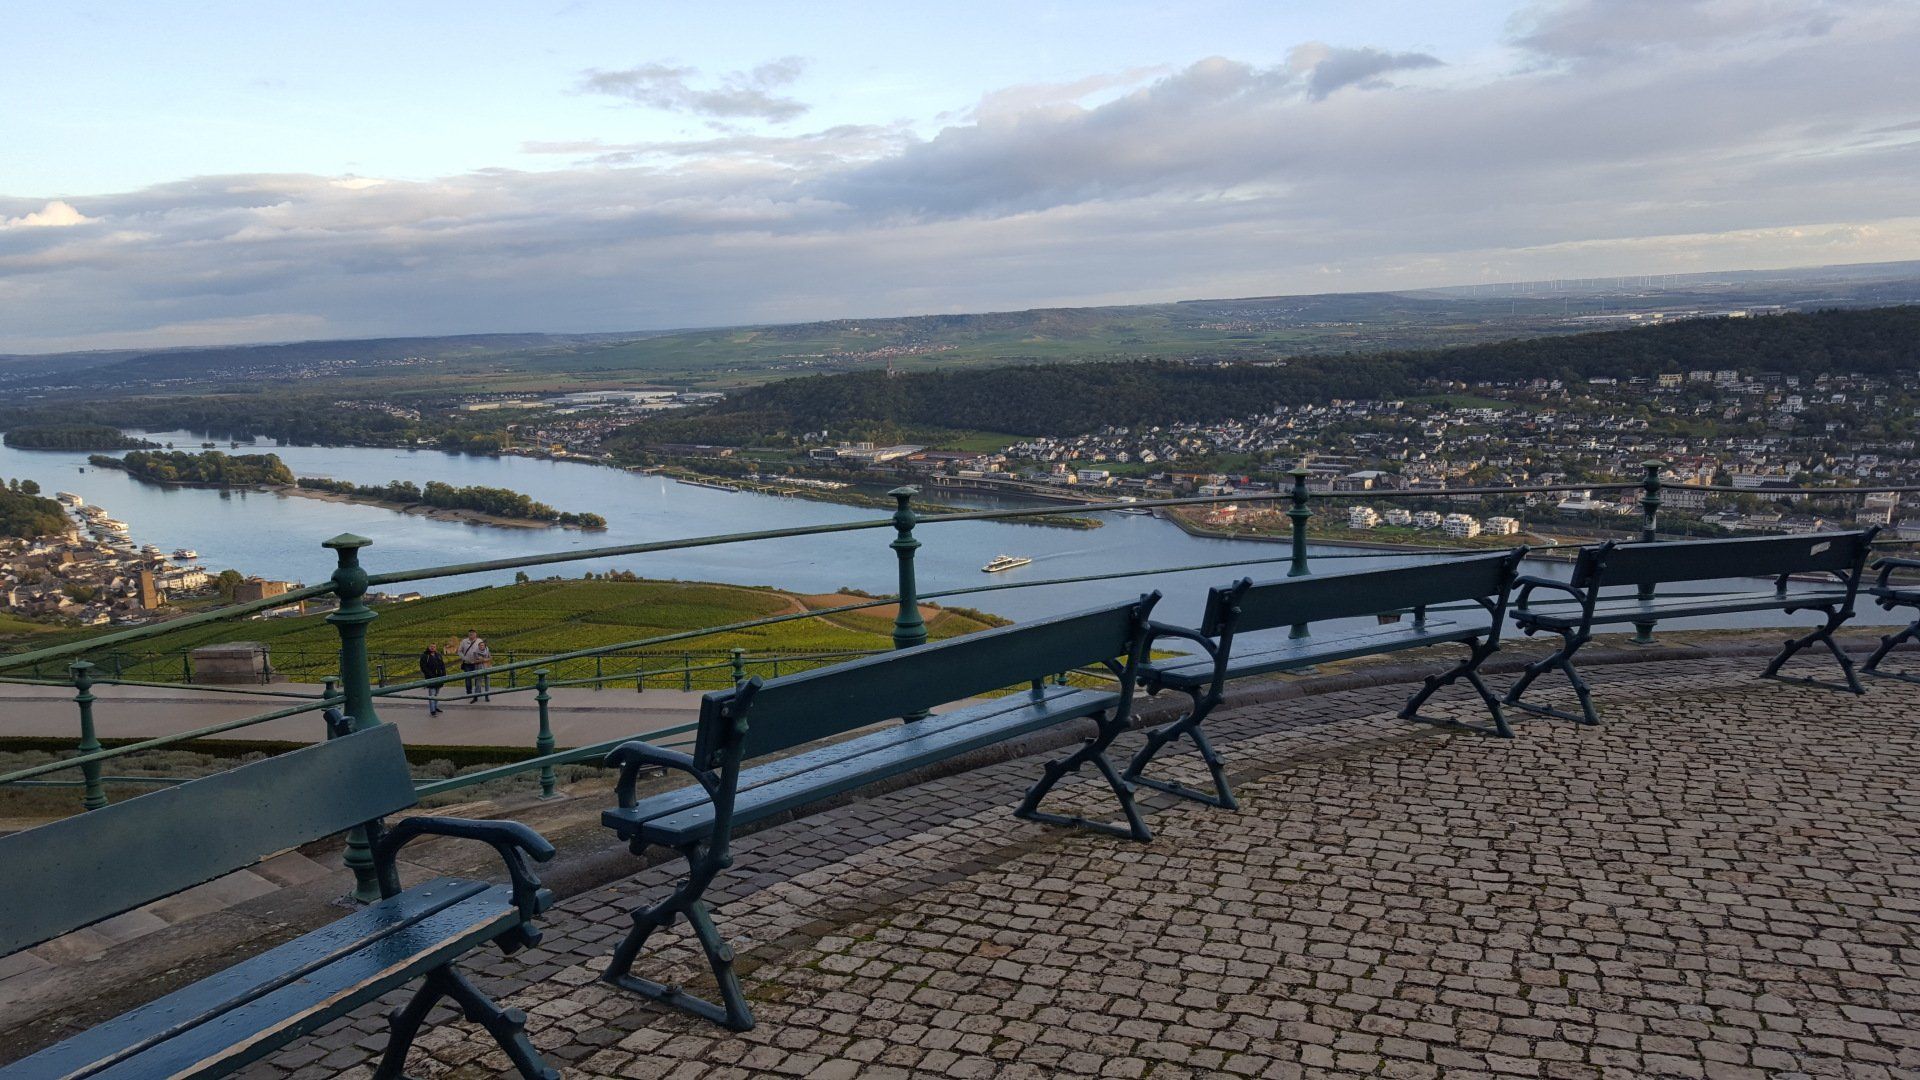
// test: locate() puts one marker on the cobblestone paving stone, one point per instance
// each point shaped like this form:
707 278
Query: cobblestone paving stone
1722 881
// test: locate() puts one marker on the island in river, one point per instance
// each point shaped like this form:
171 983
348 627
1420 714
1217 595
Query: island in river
477 504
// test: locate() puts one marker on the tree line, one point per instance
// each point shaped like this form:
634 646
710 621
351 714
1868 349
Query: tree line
74 437
499 502
207 467
26 515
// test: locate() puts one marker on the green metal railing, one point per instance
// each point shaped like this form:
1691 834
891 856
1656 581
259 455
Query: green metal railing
362 681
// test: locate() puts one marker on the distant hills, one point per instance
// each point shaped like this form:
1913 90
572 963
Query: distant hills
1251 327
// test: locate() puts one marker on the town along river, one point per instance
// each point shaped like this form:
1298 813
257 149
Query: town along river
278 536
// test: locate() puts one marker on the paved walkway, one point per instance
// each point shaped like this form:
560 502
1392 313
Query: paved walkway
1723 881
580 717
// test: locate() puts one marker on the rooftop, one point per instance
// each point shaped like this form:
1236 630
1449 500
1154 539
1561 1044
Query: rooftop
1721 881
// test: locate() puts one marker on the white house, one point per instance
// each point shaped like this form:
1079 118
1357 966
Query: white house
1362 517
1500 525
1462 525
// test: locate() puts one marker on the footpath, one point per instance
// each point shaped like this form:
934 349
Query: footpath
580 717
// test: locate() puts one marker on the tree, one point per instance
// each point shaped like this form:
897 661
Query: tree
228 582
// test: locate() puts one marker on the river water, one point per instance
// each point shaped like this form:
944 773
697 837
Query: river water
279 536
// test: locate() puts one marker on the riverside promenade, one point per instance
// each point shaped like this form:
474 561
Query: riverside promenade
1722 881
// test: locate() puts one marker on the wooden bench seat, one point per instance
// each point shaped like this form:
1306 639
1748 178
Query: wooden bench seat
1308 605
767 719
677 817
1602 571
1628 609
103 862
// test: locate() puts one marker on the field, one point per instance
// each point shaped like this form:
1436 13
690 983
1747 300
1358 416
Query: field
544 617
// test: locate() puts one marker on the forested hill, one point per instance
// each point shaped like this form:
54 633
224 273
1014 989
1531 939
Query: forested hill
1066 399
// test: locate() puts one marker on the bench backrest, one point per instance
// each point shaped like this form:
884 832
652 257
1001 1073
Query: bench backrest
1662 561
795 709
1357 593
74 872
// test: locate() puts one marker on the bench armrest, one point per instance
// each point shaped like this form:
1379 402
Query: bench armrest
631 757
1157 630
1889 564
514 841
1530 582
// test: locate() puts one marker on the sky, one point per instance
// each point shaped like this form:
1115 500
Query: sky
207 173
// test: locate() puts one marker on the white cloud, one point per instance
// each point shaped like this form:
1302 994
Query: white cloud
57 214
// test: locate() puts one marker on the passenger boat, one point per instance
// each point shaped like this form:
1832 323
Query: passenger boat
185 553
70 499
1004 562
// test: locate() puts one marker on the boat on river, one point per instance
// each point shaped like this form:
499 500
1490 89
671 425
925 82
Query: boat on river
1004 562
714 484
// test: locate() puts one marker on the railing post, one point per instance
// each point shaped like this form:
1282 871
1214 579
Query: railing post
96 794
350 620
1649 528
686 671
1299 514
599 672
186 667
909 629
739 666
543 744
513 673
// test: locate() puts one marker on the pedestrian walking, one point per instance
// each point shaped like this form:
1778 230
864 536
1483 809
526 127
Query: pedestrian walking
471 648
432 666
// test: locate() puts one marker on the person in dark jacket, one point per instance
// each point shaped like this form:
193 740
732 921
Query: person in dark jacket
432 666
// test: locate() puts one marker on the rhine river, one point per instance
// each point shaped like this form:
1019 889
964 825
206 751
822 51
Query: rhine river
278 536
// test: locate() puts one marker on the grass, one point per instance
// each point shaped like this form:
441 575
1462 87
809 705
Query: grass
543 617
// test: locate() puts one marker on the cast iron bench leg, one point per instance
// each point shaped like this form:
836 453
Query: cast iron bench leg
1889 642
507 1026
1188 725
1468 669
1562 659
1824 635
1093 750
733 1012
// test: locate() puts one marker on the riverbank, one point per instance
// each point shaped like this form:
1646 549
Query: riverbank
1539 547
850 497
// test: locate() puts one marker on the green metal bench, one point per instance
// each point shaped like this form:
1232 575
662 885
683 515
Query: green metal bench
1841 556
1890 595
107 861
758 719
1245 607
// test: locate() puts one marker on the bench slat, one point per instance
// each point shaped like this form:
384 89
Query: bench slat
190 1005
1627 609
873 757
1355 593
1668 561
683 798
257 1028
106 861
818 704
1304 652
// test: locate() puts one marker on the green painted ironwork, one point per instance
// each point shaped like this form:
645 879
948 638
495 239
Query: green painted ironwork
96 795
1299 514
350 620
739 664
543 745
1649 532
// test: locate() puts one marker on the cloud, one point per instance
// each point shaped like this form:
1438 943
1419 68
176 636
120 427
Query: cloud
1590 30
57 214
1762 146
1328 69
736 94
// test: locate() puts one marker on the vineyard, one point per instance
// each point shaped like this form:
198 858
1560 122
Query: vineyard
538 618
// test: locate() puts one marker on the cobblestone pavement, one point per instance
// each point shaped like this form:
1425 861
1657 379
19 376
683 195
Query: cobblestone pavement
1723 881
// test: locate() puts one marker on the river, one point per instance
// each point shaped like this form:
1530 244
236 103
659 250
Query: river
279 536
